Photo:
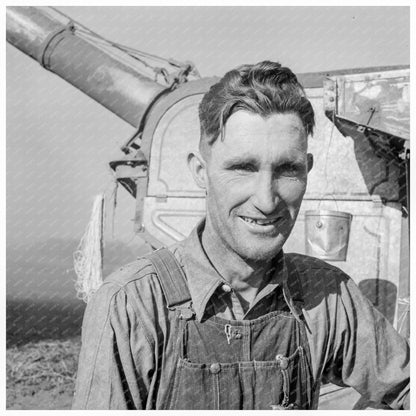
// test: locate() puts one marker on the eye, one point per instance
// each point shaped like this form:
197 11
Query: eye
290 170
244 167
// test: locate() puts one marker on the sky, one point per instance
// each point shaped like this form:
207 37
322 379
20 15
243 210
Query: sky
59 141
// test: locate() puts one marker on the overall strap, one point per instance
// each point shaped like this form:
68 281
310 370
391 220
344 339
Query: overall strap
171 277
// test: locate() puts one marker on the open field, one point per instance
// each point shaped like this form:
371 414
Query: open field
41 375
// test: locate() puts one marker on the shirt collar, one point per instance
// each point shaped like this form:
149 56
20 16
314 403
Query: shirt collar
204 280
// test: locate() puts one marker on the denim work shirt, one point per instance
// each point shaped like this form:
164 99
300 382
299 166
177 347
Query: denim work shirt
123 350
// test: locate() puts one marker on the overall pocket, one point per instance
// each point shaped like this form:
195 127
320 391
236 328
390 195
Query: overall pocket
258 385
254 385
195 386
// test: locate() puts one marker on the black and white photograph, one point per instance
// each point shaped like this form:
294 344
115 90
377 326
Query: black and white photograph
207 206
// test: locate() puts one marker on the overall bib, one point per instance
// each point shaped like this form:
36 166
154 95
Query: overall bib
223 364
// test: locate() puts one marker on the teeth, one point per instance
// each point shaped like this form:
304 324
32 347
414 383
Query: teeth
259 222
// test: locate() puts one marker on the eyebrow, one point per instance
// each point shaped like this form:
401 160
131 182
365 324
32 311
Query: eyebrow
237 160
250 159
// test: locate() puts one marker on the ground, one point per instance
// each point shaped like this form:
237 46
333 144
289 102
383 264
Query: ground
41 375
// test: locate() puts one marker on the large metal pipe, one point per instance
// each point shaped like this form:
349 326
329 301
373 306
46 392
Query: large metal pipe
47 36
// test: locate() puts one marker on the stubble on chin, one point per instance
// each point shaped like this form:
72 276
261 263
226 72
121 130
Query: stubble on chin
257 255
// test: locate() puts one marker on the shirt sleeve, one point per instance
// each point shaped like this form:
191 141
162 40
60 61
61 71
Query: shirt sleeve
116 362
367 353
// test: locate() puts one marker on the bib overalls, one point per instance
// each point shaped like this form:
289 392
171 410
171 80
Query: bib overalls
223 364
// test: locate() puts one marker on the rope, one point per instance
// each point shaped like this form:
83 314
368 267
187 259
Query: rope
88 258
183 69
331 136
114 196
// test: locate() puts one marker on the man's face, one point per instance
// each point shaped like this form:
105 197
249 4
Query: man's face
255 180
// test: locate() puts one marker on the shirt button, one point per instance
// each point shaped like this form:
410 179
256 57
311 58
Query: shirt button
226 288
215 368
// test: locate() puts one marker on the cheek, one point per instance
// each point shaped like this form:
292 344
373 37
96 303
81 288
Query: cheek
226 192
291 191
224 184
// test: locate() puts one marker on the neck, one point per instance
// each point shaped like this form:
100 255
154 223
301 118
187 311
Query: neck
243 275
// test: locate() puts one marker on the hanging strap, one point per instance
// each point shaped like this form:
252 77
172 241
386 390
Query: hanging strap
171 277
292 291
293 281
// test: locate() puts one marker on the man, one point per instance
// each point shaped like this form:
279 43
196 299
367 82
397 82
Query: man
225 319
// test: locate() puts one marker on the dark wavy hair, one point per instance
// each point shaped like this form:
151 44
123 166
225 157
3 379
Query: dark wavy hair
264 88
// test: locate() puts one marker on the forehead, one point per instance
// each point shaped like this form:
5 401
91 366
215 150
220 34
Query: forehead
266 137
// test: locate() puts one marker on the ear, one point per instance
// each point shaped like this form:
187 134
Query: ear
197 166
310 161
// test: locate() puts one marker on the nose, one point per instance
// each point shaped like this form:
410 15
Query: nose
265 197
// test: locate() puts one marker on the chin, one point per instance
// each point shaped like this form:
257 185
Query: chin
261 252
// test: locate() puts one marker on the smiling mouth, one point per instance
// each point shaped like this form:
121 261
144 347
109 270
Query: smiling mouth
260 222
